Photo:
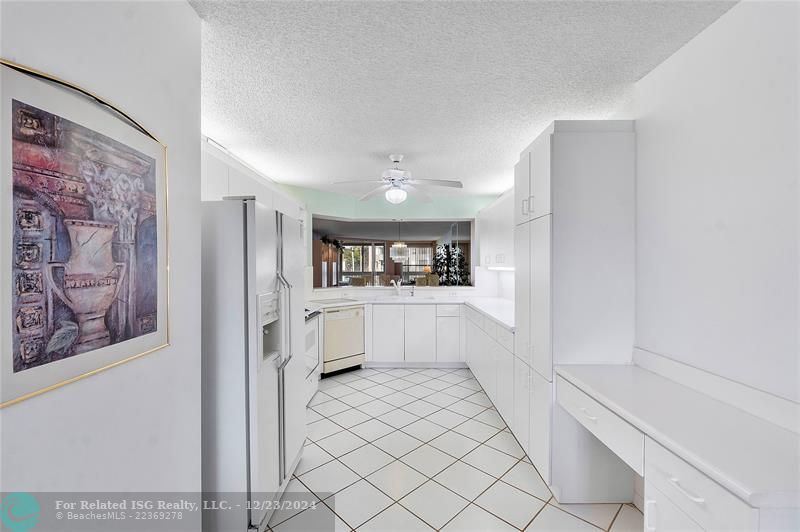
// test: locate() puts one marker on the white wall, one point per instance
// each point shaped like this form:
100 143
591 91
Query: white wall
717 243
137 426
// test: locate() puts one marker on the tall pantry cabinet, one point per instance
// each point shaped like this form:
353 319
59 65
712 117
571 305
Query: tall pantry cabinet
574 201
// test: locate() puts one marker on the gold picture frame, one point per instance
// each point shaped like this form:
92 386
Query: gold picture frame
94 359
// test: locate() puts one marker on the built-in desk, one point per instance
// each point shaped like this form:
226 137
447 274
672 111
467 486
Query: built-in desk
711 465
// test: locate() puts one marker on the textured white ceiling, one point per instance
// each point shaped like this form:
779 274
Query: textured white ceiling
311 92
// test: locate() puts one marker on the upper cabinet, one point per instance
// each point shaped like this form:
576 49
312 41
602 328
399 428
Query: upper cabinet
214 177
495 226
532 179
222 175
522 188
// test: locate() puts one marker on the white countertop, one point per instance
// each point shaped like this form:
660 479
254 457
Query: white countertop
499 309
754 459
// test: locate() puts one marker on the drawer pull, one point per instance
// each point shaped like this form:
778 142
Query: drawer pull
693 498
588 416
647 514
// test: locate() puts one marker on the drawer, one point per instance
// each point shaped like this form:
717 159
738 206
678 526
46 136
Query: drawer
447 310
706 502
505 338
617 434
662 514
475 317
490 328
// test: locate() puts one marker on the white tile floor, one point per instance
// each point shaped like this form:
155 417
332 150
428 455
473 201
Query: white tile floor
420 449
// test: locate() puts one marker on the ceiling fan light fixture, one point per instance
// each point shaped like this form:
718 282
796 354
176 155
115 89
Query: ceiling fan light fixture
396 195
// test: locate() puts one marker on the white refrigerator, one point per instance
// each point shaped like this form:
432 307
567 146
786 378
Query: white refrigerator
253 371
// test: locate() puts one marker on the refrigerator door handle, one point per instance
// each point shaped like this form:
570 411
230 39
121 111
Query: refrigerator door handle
286 317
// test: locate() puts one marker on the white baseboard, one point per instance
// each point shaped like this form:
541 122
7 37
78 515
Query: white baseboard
777 410
443 365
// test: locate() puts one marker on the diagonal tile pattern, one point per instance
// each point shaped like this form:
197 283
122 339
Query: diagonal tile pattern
424 449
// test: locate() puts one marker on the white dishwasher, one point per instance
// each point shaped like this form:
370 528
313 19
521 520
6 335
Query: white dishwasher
343 338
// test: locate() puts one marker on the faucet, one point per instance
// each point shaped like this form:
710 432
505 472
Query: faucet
412 290
396 286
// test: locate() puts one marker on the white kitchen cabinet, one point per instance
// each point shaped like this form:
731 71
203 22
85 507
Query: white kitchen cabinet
215 178
541 394
541 286
522 292
470 342
521 420
574 262
504 364
539 202
420 333
522 188
448 339
388 333
489 366
661 514
240 184
288 205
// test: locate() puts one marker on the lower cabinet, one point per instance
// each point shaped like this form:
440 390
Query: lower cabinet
492 363
504 362
520 424
662 514
388 333
541 398
416 334
448 339
420 333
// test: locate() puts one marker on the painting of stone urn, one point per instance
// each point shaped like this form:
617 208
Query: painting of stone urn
89 281
85 270
87 203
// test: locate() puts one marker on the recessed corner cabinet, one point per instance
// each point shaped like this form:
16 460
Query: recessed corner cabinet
574 279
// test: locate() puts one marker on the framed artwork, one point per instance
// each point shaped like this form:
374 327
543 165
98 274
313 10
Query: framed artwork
83 235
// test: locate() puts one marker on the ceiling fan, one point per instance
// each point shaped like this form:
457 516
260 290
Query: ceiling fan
396 183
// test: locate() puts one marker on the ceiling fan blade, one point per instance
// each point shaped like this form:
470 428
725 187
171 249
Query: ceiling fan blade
358 182
436 183
419 193
374 192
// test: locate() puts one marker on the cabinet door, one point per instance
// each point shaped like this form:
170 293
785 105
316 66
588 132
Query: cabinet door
522 293
661 514
239 184
522 188
541 317
214 176
491 368
388 335
505 383
522 399
541 397
471 345
420 333
539 204
447 339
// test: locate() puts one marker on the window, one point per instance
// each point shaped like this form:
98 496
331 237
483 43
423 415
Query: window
361 263
419 258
